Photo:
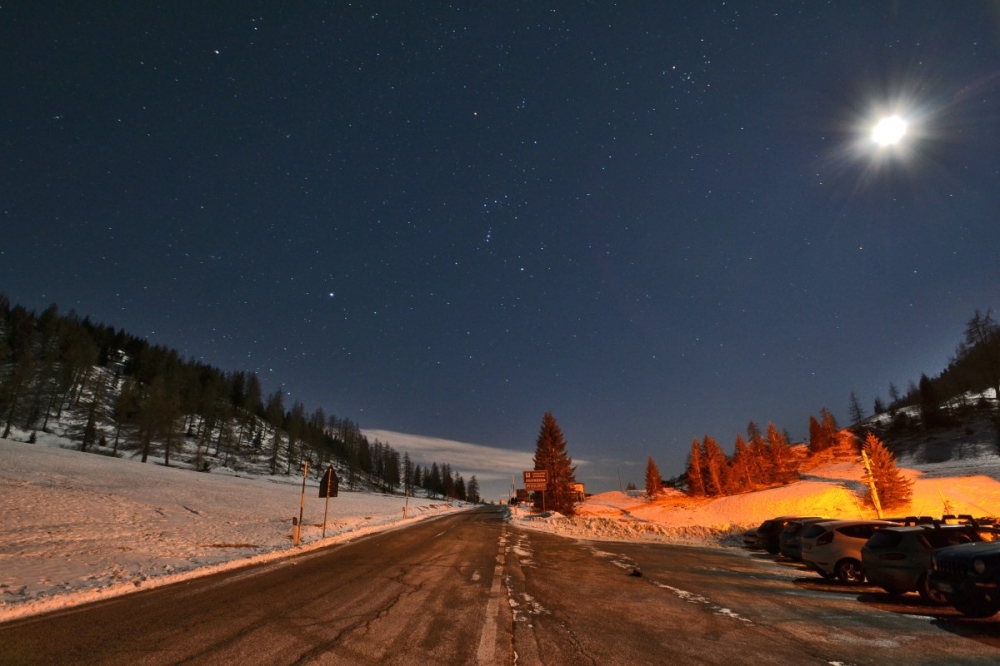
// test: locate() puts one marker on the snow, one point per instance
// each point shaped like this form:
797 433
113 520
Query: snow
78 527
832 489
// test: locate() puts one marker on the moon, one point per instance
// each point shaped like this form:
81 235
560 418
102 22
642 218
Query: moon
889 131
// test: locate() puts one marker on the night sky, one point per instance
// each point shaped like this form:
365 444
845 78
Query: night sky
656 220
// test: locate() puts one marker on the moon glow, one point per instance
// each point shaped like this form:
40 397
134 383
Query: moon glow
889 131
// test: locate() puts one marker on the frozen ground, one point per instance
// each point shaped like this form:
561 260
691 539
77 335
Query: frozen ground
78 527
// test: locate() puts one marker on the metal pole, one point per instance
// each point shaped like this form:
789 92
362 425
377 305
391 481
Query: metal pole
302 502
329 483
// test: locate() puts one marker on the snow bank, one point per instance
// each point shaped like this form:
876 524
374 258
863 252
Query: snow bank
78 527
834 489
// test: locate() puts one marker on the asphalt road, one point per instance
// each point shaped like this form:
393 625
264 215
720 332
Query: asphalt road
468 589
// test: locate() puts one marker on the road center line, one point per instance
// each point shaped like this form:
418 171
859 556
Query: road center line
488 639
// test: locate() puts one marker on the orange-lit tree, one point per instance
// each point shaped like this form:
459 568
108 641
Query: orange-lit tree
695 480
894 489
654 482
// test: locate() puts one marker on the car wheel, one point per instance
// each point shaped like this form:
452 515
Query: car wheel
773 548
849 572
976 605
929 594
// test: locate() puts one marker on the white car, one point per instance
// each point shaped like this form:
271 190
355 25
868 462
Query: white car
833 548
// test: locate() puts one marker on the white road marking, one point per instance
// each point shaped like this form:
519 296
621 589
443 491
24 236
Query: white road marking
488 639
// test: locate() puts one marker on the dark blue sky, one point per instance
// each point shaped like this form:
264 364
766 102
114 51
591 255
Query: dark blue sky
656 220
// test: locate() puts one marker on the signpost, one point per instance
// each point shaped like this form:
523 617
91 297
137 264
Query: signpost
328 488
537 480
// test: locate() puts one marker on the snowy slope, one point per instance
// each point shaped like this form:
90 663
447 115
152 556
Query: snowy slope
78 526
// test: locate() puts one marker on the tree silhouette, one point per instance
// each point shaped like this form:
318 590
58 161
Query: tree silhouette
551 456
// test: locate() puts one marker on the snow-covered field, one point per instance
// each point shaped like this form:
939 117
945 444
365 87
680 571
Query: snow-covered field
77 527
835 489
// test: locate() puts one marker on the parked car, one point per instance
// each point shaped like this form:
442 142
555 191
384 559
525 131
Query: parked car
750 538
769 531
968 575
833 548
790 539
898 559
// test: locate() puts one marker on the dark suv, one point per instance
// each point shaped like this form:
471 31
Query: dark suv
968 576
898 559
770 530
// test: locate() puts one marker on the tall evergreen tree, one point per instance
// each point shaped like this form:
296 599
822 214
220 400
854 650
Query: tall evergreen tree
695 481
713 462
759 458
982 344
551 456
894 490
830 428
930 404
854 409
817 436
472 490
741 466
654 482
783 463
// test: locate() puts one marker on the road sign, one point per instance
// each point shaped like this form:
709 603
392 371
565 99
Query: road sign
328 486
536 479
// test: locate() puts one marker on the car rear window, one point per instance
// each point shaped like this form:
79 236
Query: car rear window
858 531
884 539
813 531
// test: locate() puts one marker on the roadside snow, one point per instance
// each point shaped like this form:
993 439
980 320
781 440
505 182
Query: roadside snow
834 489
78 527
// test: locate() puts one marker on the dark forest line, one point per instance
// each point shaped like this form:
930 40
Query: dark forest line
113 392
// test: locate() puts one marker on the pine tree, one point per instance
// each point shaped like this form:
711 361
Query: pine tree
550 455
695 481
930 404
714 463
759 458
743 479
894 490
782 459
854 409
817 436
472 490
830 427
653 479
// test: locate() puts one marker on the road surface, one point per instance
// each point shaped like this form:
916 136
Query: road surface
469 589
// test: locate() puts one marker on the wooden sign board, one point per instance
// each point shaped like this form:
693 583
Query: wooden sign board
536 479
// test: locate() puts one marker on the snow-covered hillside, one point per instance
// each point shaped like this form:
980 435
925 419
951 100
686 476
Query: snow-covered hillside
78 527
